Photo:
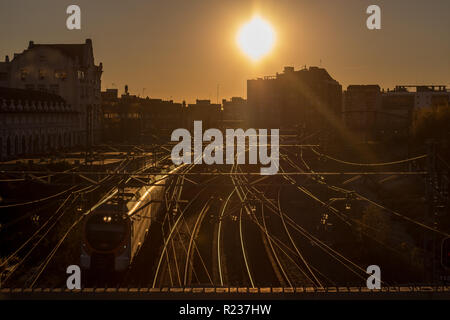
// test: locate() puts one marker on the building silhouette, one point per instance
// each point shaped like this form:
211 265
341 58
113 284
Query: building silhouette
67 70
362 106
307 98
425 96
33 122
139 120
374 114
234 112
205 111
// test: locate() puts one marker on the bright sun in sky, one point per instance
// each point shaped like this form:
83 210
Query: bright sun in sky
256 38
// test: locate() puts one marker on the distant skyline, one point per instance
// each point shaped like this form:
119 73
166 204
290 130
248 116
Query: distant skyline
184 49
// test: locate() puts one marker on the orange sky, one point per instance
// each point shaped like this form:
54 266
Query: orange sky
182 49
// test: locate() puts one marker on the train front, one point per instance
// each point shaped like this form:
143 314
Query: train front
106 241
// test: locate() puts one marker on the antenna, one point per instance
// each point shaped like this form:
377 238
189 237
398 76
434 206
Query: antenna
218 86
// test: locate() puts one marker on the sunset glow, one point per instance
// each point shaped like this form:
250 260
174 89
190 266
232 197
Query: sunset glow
256 38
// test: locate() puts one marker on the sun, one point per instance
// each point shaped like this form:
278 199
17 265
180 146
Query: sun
256 38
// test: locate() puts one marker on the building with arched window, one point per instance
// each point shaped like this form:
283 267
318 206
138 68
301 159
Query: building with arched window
26 117
66 70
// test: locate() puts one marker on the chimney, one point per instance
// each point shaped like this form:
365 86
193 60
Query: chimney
7 58
30 44
89 41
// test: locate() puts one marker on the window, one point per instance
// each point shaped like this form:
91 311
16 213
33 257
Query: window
80 75
62 75
41 74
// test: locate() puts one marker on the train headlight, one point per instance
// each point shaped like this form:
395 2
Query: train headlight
106 219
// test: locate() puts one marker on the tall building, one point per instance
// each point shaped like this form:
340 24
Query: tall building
138 120
401 106
308 98
426 96
233 113
67 70
362 105
209 113
371 114
396 114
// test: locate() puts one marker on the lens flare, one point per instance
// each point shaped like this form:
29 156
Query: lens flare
256 38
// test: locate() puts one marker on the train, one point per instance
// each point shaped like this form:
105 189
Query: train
115 230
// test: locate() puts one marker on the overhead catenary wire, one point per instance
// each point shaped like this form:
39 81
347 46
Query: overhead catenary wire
368 164
35 245
35 233
172 231
249 174
333 253
121 165
418 223
50 256
278 243
38 200
345 219
75 195
321 245
293 243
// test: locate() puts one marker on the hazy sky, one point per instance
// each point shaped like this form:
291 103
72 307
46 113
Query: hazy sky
182 49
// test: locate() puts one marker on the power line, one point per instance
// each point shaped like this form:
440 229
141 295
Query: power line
342 190
368 164
146 175
38 200
333 253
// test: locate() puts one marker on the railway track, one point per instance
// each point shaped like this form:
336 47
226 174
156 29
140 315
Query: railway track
175 224
247 196
41 237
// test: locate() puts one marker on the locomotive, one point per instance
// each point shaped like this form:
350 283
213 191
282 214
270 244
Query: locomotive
114 232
